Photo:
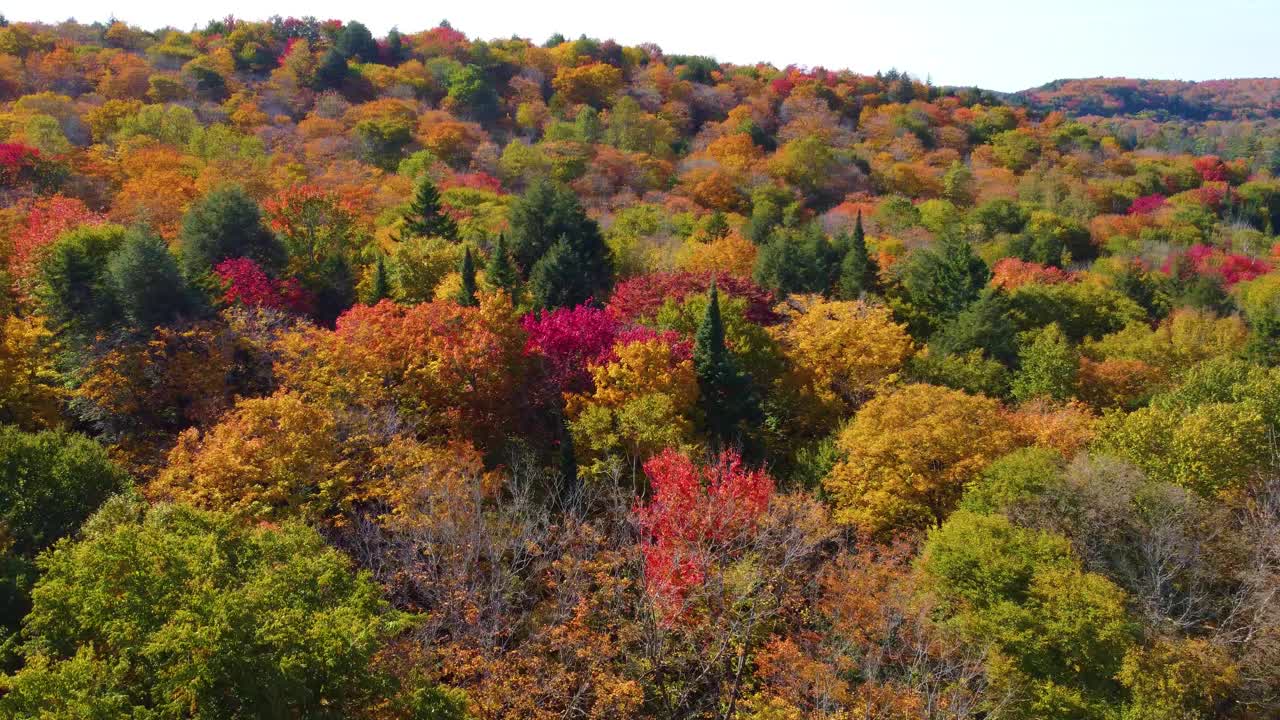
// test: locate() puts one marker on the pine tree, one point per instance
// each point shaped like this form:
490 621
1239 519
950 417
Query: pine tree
725 391
425 217
499 272
858 272
467 292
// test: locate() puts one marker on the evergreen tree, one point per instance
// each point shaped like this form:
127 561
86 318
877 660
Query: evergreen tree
355 41
1048 365
499 273
724 390
557 279
548 216
940 282
467 292
226 224
380 288
395 47
332 71
858 271
149 288
425 217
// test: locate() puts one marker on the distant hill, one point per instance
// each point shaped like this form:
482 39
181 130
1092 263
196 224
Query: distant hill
1254 98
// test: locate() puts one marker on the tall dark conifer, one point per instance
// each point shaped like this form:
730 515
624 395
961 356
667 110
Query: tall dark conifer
725 391
425 217
467 292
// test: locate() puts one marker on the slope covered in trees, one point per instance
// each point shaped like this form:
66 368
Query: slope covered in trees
425 376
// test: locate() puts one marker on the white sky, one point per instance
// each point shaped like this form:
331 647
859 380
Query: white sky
996 44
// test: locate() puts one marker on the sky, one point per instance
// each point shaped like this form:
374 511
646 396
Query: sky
1002 45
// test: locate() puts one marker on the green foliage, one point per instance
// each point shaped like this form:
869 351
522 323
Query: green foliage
467 289
1047 365
558 248
1018 476
1060 634
221 620
728 401
858 272
146 283
425 217
73 288
939 282
49 483
499 272
226 224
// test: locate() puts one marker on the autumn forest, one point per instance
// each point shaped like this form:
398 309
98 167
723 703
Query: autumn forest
439 378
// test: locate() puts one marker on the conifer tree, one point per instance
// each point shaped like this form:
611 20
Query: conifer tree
425 217
467 293
858 272
725 391
500 273
380 289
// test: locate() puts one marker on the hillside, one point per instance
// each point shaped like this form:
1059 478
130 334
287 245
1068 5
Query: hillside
430 377
1242 99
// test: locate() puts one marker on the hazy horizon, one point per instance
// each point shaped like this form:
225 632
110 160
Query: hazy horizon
973 44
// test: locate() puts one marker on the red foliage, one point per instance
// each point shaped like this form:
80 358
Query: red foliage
247 284
694 514
16 161
640 298
474 181
1202 260
1011 273
47 218
1147 204
569 339
681 348
1211 168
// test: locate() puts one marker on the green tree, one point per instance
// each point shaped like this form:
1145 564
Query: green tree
858 272
560 249
172 612
355 41
225 224
499 272
49 483
941 281
1047 365
380 286
467 290
147 285
332 72
425 217
725 392
73 289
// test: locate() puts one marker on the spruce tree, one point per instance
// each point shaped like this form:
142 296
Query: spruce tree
858 272
467 292
499 272
544 218
425 217
380 288
725 391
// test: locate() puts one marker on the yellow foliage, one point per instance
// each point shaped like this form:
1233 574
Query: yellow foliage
30 392
843 350
1184 338
908 456
644 401
268 459
729 255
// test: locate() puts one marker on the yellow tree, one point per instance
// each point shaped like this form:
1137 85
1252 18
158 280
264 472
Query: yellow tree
842 350
907 456
268 459
31 392
644 401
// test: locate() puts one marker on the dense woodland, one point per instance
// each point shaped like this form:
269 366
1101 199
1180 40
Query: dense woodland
432 377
